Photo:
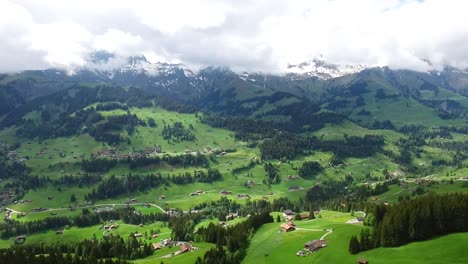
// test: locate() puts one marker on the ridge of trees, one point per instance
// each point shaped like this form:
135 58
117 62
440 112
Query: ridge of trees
414 220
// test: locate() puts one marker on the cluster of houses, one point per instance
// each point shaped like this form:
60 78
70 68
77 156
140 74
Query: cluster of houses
14 156
310 246
239 196
109 227
7 197
207 150
184 246
117 154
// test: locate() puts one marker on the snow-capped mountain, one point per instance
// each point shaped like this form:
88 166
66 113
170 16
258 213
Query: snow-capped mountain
107 65
321 69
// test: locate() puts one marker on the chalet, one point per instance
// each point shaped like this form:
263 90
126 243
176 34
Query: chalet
162 197
304 216
288 212
20 239
292 177
154 236
231 216
291 223
137 235
194 194
167 242
156 246
294 188
59 232
185 248
315 245
362 261
223 192
243 196
287 228
200 191
50 197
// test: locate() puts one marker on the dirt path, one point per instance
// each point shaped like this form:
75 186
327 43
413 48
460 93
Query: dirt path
329 231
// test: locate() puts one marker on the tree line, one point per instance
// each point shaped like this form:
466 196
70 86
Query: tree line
114 186
92 250
415 220
290 145
104 165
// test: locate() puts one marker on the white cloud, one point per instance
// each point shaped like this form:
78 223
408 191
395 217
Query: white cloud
115 40
259 35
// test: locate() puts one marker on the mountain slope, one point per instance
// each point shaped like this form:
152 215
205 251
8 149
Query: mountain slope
365 95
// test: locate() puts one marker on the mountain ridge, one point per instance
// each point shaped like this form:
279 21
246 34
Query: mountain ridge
361 96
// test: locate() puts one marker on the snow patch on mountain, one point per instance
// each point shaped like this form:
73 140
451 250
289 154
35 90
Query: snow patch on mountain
321 69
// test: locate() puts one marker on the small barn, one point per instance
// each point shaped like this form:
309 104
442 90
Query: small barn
287 227
288 212
185 248
362 261
315 245
156 246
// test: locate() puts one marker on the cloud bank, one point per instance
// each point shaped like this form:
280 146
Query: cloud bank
252 35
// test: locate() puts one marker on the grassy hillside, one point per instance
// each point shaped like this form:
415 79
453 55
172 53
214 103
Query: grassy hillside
237 156
269 245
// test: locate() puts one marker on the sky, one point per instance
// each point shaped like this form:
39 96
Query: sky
245 35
